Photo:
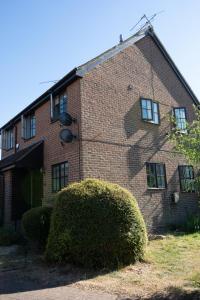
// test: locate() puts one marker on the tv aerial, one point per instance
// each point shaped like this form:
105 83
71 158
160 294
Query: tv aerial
147 20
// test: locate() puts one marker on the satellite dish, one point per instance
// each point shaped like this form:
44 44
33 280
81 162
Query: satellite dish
65 119
66 136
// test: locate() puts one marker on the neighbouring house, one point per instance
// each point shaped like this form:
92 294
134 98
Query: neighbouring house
120 103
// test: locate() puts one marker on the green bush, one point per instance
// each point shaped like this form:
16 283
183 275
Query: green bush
36 224
8 236
193 224
96 224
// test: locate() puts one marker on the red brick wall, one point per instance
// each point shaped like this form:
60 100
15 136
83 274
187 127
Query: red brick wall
117 143
54 152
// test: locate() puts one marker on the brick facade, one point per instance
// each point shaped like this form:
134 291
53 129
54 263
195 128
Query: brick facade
113 142
54 151
117 143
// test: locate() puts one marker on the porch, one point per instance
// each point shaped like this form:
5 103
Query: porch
21 183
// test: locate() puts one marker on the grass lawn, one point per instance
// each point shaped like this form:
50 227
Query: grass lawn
172 263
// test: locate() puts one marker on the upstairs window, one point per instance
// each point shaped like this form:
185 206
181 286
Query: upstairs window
186 176
59 176
59 106
150 111
180 118
29 127
156 175
8 139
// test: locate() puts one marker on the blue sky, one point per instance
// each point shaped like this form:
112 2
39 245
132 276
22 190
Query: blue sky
42 40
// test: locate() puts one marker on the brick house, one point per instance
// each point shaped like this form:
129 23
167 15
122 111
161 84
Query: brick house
120 103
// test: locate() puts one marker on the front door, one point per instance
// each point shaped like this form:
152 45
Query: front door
28 191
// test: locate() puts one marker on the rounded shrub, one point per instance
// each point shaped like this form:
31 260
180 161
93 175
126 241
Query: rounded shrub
36 224
96 224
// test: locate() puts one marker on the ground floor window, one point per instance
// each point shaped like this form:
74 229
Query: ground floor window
186 175
59 176
156 175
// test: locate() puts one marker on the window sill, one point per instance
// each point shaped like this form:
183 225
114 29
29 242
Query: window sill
149 122
54 120
7 150
187 192
28 139
156 189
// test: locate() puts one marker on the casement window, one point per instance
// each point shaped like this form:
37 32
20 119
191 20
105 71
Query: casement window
7 139
180 118
150 111
59 176
29 126
156 175
186 176
59 104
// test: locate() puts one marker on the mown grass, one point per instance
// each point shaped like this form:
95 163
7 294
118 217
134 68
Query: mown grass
171 262
178 257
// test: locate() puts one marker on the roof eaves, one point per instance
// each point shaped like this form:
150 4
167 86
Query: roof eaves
66 80
91 64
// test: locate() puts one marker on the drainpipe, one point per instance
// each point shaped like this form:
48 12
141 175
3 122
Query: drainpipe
31 189
15 138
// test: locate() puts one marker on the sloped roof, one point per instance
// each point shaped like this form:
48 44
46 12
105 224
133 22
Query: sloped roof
80 71
20 156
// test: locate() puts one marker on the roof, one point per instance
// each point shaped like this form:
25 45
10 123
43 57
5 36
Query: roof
19 158
80 71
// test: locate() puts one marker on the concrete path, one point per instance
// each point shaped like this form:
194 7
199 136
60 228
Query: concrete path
59 293
23 285
28 278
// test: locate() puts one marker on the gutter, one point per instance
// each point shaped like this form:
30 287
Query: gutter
65 81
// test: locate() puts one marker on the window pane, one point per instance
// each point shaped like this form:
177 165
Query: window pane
62 182
62 170
63 103
177 113
144 103
149 114
160 169
182 113
180 116
33 126
155 107
155 118
151 175
9 139
151 180
59 176
148 104
156 175
155 113
144 114
186 174
150 111
160 181
55 185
